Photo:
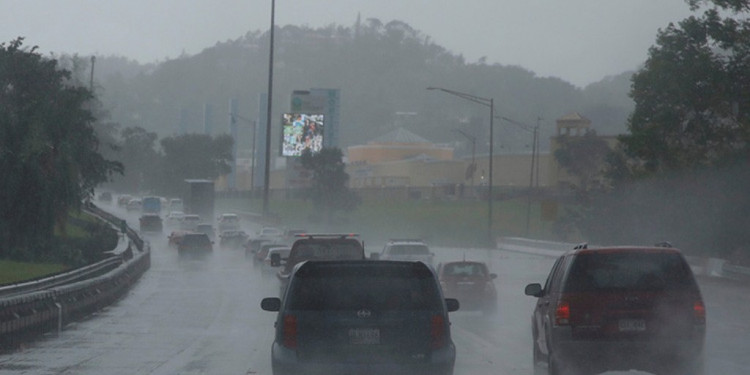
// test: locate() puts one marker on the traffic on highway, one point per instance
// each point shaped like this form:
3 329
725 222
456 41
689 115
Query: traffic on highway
201 315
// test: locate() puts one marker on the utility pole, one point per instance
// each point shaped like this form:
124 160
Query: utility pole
267 169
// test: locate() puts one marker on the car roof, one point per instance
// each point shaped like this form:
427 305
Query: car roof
584 249
415 241
362 267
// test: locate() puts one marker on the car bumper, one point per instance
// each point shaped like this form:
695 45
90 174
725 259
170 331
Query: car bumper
626 354
285 362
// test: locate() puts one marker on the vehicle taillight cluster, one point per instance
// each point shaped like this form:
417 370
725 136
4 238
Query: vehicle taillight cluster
437 332
289 330
562 313
699 312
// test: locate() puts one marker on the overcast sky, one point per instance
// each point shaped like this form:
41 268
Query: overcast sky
580 41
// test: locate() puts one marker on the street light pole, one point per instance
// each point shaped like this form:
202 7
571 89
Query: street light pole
267 167
487 102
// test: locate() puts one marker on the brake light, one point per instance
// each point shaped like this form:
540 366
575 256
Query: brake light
437 332
289 331
562 313
699 312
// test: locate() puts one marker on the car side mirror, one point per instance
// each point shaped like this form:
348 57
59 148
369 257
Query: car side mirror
275 260
493 276
452 304
270 304
534 289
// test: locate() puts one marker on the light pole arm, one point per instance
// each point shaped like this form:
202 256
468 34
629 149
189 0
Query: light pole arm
473 98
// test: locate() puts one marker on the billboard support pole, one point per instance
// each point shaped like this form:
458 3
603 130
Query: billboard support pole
266 176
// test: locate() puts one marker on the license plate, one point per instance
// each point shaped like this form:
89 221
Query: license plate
632 325
364 336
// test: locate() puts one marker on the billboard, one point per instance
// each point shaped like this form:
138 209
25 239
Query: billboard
301 131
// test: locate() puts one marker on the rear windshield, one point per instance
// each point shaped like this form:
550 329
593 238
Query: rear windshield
193 240
409 250
377 292
464 269
629 270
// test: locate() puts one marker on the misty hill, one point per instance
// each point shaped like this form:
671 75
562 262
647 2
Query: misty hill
381 69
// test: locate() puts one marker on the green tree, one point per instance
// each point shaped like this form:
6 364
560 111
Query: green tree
329 191
693 95
584 158
49 152
141 160
194 156
682 172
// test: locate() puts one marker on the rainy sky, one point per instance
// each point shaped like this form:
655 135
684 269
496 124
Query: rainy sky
580 41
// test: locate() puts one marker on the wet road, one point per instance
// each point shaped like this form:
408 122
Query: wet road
203 317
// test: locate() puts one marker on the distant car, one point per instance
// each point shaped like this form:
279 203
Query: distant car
365 316
407 249
262 253
134 204
206 228
252 246
228 222
175 204
319 247
174 218
195 244
123 200
105 197
175 237
190 222
619 308
471 283
290 235
151 223
270 233
232 239
282 251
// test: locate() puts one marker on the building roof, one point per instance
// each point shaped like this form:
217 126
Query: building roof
574 117
399 135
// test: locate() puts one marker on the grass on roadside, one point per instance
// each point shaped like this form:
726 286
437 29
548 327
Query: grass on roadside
13 272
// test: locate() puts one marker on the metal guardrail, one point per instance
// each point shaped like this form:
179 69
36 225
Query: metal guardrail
78 274
28 310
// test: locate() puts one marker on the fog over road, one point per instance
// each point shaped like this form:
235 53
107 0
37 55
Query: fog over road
204 317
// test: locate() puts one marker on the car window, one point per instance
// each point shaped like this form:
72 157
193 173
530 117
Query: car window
548 282
351 292
408 250
471 269
328 250
628 270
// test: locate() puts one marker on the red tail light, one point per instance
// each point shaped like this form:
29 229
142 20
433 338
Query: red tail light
289 331
437 332
699 312
562 313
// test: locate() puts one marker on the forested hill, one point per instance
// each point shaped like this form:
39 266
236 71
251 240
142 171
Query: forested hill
380 68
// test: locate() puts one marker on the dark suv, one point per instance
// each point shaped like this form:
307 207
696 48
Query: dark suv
362 317
619 308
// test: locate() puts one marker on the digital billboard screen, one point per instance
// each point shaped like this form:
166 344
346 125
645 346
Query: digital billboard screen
301 131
